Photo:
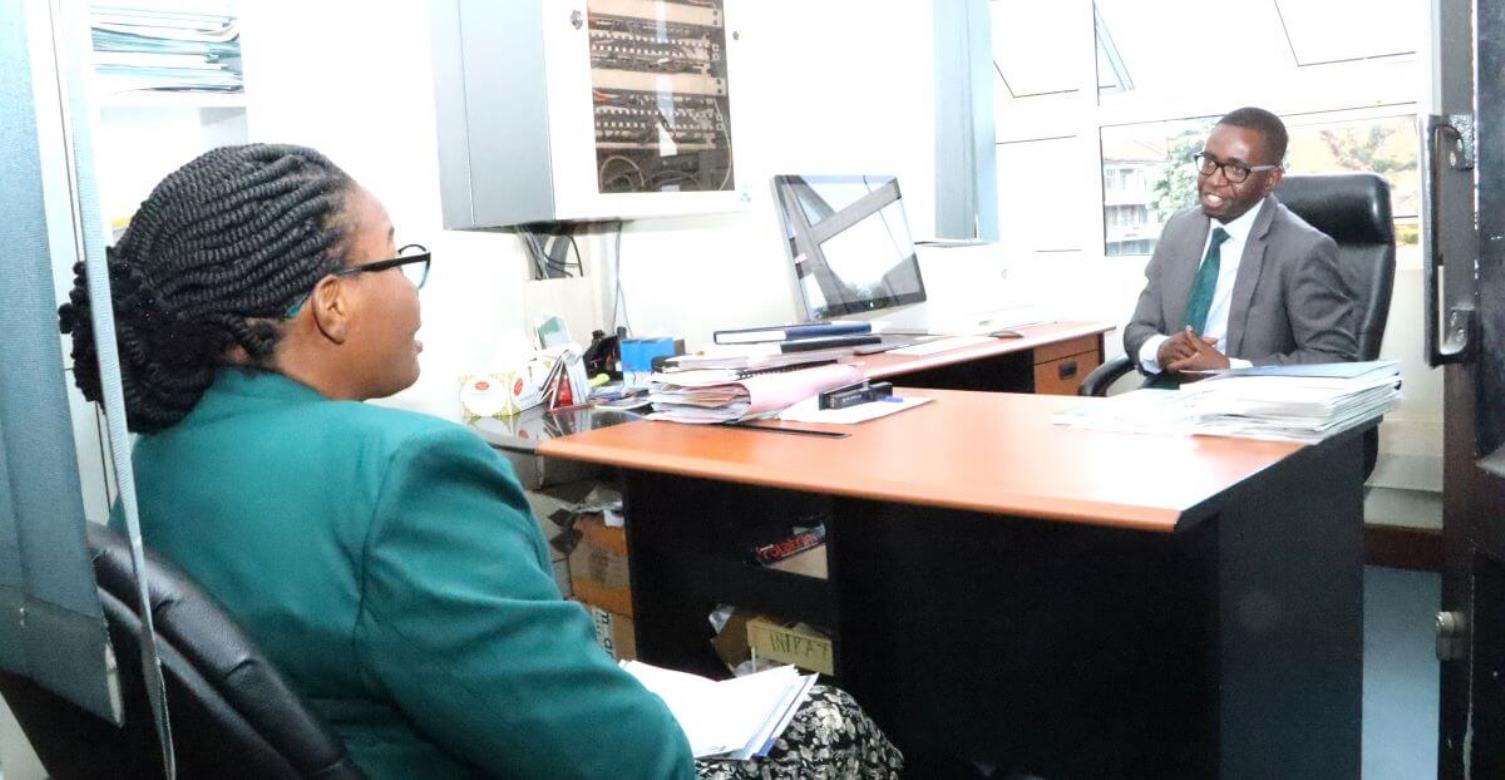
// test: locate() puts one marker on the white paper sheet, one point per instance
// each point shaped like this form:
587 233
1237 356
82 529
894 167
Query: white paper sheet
809 410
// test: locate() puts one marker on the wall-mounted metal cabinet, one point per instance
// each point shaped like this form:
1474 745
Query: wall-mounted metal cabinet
562 110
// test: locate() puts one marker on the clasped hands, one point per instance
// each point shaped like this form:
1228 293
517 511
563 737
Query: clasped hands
1187 351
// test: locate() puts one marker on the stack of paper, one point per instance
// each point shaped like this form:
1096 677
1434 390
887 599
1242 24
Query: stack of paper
172 46
756 357
1302 403
725 395
738 718
780 333
1293 403
1139 411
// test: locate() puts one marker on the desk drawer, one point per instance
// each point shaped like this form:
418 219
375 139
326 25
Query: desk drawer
1064 375
1047 353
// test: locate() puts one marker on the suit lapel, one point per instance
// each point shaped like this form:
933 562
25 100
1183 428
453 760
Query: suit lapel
1181 273
1249 267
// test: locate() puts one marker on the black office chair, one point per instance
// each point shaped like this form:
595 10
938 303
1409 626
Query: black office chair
1354 209
233 714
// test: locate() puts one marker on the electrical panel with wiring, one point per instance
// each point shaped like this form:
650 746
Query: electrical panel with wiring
583 110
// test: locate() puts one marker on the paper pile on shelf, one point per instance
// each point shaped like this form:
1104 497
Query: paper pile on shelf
708 396
738 718
166 47
1304 404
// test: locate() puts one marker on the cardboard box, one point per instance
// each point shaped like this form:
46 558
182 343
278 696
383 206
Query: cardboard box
615 634
731 642
810 563
803 647
598 567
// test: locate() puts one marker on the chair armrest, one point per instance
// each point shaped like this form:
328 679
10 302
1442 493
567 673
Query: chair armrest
1103 377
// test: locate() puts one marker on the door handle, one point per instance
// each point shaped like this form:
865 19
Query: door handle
1067 370
1452 636
1450 344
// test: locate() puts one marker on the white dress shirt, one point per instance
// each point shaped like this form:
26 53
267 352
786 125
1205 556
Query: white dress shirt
1230 253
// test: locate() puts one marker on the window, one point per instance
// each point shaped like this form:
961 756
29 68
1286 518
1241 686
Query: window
1112 72
1029 51
1381 141
1369 29
1101 128
1378 140
1163 182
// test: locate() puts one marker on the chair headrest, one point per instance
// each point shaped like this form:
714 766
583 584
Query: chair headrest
1352 208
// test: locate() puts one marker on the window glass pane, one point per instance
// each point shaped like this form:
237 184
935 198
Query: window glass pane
1147 176
1387 145
1323 31
1112 72
1033 46
1166 49
1219 51
1038 198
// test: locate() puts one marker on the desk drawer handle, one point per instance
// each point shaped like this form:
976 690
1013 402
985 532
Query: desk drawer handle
1067 369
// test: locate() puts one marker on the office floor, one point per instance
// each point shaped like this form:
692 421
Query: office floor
1400 674
1400 681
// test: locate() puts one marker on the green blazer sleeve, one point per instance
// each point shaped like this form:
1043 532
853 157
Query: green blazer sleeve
462 625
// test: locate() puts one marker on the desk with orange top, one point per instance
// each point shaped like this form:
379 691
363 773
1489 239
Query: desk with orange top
1051 358
1054 601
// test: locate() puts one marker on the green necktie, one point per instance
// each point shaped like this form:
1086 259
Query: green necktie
1207 282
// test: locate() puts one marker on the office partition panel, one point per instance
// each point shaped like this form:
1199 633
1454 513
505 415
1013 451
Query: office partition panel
51 626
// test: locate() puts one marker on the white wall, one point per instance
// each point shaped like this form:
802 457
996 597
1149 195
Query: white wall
843 90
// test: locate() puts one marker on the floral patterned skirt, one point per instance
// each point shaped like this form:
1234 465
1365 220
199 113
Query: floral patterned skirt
829 738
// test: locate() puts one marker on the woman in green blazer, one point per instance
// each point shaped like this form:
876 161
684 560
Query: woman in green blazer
387 561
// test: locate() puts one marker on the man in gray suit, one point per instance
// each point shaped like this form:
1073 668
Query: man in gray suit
1240 280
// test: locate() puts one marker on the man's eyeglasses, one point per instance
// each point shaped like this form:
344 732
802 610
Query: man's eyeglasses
1234 172
413 259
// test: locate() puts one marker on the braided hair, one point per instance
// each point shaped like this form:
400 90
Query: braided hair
212 260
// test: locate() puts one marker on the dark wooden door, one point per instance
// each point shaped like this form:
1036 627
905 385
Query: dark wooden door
1465 275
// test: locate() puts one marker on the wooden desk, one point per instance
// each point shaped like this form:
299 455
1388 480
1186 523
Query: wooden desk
1051 358
1063 602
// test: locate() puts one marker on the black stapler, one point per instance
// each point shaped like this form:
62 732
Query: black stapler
854 394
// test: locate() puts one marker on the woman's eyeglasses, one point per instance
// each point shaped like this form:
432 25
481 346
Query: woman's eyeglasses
413 259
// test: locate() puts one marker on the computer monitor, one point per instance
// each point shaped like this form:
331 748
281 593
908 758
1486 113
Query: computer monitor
849 242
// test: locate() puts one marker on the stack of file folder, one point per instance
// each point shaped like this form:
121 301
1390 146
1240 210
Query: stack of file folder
717 395
168 47
1300 403
858 332
738 718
